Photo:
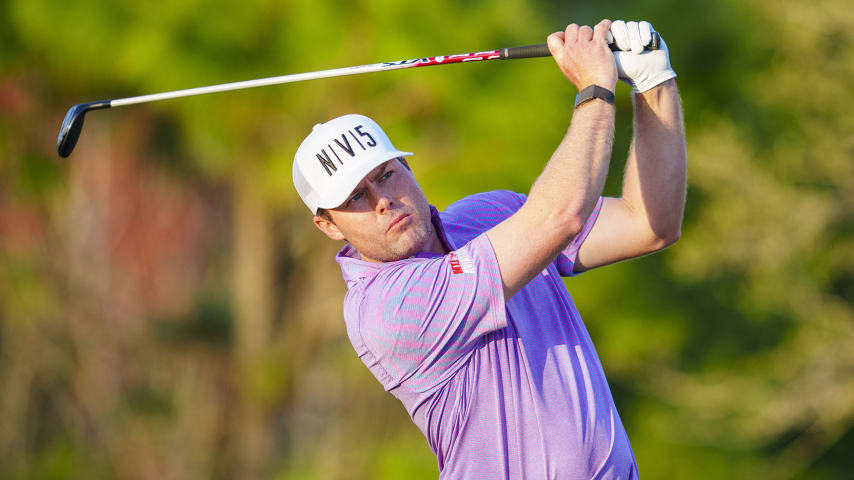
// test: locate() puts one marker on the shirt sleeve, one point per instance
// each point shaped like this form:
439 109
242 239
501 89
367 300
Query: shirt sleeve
420 319
565 262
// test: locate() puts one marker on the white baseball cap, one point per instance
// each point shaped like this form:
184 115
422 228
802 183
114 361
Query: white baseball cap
336 156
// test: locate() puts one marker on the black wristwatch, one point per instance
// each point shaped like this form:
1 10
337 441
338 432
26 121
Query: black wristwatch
594 91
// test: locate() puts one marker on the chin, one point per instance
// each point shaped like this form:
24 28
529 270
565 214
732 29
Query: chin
410 242
414 241
400 252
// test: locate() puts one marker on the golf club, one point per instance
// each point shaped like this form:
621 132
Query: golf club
72 125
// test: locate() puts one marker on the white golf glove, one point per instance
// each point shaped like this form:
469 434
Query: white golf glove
641 69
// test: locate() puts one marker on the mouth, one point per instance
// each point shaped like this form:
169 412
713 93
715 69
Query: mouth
399 221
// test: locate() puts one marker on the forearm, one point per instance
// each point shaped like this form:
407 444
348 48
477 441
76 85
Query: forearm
655 178
566 192
572 181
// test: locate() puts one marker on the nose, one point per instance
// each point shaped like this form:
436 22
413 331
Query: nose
383 202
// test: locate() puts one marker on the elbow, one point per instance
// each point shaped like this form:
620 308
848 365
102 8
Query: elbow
671 238
569 222
558 223
663 230
558 227
666 238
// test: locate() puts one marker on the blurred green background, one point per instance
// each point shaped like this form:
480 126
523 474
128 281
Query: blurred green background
167 309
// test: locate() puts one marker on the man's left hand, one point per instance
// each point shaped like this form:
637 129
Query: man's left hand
641 69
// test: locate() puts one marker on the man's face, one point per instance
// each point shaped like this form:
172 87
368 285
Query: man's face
385 218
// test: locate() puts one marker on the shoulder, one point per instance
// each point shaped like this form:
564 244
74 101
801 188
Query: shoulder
475 214
496 201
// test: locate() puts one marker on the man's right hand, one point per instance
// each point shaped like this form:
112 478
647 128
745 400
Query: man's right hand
583 55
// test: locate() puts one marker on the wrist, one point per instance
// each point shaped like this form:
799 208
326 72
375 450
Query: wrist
610 84
649 81
655 95
657 90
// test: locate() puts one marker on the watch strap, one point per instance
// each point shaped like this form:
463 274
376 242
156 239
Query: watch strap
594 91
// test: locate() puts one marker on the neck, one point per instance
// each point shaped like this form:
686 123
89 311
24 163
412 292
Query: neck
435 244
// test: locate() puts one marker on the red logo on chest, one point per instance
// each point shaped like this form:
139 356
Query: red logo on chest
455 264
456 267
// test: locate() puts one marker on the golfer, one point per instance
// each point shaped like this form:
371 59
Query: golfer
462 315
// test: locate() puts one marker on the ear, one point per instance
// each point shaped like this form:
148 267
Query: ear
330 229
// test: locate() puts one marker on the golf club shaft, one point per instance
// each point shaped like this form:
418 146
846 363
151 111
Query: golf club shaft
72 125
300 77
528 51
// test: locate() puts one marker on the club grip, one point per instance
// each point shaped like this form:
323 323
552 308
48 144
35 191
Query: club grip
542 50
528 51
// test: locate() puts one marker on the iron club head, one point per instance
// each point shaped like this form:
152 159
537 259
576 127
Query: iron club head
69 132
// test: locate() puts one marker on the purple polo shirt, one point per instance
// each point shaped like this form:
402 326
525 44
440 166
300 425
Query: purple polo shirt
500 389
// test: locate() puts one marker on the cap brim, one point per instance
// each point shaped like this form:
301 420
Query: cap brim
345 187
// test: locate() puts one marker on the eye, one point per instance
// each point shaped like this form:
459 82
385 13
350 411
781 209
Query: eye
354 198
386 175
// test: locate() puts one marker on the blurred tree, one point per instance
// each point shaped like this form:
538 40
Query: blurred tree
777 221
